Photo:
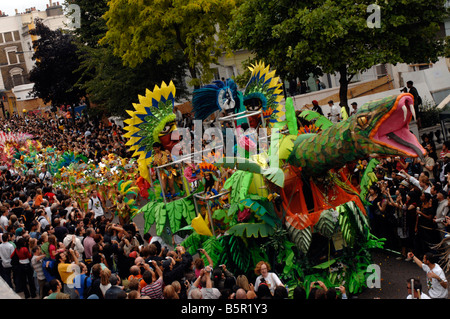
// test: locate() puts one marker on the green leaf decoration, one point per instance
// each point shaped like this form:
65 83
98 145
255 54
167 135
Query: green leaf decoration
193 242
290 116
320 121
160 217
239 183
214 249
326 225
275 175
248 230
325 265
149 215
236 254
300 237
174 213
268 216
348 232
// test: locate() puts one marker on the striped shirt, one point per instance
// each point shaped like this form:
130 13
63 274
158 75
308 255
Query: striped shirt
154 290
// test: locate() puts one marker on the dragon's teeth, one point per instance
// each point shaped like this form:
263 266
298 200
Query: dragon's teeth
411 107
405 112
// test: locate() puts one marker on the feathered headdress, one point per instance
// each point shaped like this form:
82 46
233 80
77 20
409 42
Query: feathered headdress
149 119
215 97
264 90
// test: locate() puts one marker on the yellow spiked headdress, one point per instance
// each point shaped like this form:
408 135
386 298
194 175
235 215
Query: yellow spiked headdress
149 119
263 90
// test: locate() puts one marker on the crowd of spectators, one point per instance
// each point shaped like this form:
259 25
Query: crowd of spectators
52 248
409 202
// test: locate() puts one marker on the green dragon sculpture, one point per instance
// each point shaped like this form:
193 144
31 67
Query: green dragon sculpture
379 128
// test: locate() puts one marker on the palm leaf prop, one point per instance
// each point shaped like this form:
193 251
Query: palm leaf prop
300 237
248 230
262 208
239 183
214 249
320 121
173 212
236 254
291 119
352 222
327 223
193 242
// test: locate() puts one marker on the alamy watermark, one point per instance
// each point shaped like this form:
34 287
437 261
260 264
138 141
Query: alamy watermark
74 16
234 145
374 19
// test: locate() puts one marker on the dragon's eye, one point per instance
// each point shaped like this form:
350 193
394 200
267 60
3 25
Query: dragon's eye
363 121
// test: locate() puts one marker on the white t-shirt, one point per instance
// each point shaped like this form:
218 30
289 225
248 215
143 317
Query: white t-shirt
335 112
96 206
272 281
435 290
4 222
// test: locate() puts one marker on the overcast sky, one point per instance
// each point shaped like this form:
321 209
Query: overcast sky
9 6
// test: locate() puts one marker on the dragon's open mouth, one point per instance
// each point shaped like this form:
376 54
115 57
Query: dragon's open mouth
393 129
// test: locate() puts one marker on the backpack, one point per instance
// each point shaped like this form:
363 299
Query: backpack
87 290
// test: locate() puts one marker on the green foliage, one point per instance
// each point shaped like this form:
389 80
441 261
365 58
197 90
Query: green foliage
320 121
255 27
328 36
55 72
251 230
110 85
140 30
175 211
239 183
300 237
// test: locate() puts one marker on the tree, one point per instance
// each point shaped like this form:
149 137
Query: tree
142 29
108 83
336 36
54 74
339 37
255 27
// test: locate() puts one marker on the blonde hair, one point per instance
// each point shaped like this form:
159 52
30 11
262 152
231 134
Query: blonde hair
176 285
242 281
104 276
170 293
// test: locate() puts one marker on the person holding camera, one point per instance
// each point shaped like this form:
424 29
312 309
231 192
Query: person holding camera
436 279
262 270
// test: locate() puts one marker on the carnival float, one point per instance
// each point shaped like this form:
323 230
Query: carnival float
284 196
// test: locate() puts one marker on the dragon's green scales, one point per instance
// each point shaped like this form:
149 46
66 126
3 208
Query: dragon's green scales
378 128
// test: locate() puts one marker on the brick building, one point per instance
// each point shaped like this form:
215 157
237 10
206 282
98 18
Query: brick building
16 51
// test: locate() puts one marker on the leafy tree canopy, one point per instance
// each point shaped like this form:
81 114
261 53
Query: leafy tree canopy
335 36
109 83
54 74
140 29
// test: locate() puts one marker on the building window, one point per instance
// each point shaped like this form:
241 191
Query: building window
11 55
8 36
17 77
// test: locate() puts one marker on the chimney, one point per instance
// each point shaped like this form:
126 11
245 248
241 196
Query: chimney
51 4
17 11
